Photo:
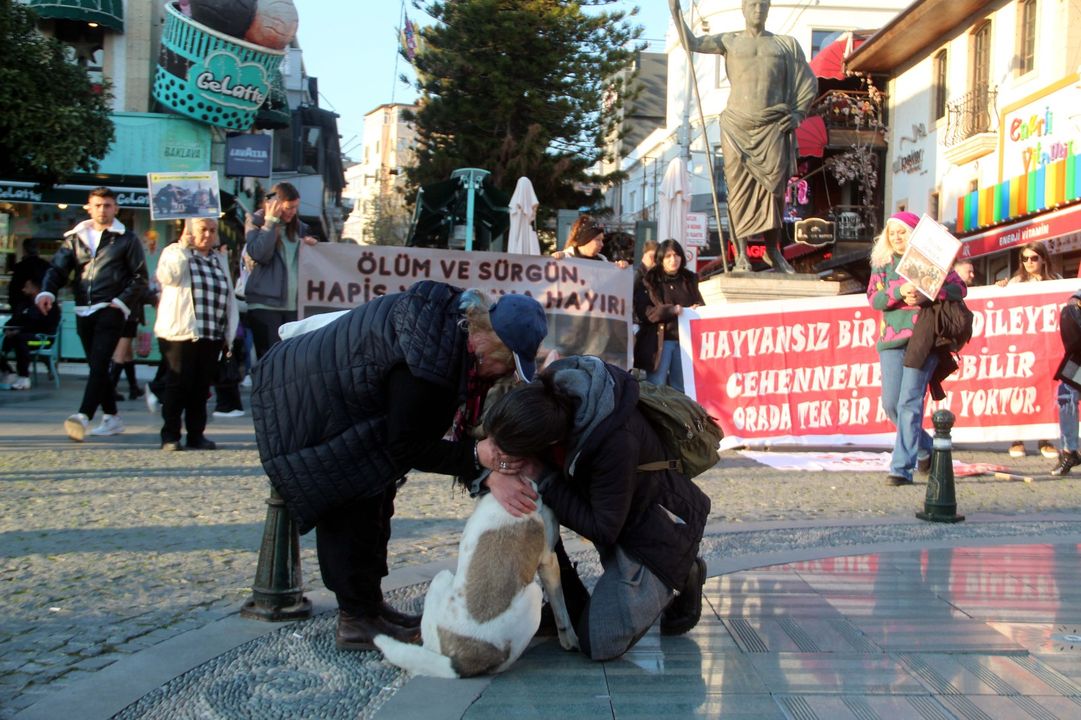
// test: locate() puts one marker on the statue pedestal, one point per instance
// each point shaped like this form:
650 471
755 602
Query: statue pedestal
749 287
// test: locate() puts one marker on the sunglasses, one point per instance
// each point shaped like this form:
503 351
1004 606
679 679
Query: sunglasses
1030 258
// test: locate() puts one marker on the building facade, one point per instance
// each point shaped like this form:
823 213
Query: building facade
377 183
986 132
127 43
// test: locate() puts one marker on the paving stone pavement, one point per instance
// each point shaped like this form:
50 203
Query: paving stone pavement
112 546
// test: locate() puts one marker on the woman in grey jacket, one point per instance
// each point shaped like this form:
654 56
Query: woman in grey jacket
274 236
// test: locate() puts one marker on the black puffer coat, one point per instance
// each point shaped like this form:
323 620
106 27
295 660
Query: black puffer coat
319 400
656 517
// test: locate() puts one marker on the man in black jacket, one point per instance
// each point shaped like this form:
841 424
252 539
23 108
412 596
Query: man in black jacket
110 278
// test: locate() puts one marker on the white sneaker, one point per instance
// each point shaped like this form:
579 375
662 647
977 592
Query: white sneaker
246 382
76 425
231 413
152 403
110 425
21 383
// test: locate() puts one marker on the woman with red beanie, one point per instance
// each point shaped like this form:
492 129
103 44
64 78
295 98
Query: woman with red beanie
903 388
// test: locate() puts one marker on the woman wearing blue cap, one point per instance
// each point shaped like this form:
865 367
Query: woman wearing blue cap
344 411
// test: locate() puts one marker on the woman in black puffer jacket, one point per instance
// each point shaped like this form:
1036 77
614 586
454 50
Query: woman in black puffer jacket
659 297
581 426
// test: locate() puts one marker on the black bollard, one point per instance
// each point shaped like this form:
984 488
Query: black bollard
940 505
277 593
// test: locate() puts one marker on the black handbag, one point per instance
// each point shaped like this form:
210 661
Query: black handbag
228 369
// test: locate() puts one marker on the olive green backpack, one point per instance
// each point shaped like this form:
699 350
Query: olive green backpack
687 431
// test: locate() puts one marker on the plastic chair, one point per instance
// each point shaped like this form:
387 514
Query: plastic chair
46 349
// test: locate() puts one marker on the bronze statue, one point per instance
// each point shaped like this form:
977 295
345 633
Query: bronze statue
772 89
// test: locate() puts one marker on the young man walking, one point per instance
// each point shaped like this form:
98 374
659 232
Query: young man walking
107 267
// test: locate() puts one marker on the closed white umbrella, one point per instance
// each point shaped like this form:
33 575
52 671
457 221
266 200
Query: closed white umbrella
521 237
674 202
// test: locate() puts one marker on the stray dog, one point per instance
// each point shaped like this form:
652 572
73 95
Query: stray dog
480 620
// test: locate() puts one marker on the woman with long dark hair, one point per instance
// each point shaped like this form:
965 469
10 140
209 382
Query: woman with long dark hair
659 298
1033 265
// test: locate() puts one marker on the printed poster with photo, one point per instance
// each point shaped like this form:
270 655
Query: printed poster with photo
183 195
929 257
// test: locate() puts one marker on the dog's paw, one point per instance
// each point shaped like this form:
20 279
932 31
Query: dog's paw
568 638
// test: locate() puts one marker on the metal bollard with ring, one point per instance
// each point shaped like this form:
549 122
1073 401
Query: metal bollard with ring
940 504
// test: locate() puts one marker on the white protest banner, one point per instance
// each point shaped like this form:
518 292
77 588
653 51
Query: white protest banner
588 303
807 372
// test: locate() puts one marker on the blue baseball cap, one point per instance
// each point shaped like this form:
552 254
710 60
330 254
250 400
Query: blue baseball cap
520 323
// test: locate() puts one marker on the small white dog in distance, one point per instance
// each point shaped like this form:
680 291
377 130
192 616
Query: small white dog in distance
480 620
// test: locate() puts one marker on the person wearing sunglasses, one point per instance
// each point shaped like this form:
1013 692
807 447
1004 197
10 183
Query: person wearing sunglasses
1034 265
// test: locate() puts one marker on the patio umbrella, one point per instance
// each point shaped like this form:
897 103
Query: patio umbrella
812 136
522 238
830 60
674 202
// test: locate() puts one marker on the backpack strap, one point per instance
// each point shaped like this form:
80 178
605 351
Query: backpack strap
676 465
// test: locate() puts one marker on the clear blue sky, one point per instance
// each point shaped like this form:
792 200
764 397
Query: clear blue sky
352 47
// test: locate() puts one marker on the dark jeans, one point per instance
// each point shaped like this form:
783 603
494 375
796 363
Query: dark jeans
352 548
264 326
99 333
17 343
192 366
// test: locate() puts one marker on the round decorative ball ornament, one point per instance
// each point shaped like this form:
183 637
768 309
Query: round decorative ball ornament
274 25
232 17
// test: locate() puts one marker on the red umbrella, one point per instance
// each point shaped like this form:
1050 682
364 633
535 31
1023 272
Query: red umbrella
829 62
811 136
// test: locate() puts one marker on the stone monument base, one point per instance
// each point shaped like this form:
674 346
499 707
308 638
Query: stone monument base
749 287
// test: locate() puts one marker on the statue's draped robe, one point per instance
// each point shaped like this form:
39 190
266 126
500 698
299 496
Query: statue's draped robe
758 157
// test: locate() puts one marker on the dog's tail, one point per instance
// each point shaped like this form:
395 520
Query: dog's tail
417 659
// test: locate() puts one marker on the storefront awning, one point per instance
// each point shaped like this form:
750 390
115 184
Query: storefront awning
107 13
137 198
1044 227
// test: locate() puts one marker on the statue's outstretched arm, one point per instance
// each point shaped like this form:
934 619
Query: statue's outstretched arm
693 43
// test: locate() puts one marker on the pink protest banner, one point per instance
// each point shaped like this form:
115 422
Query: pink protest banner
806 371
588 303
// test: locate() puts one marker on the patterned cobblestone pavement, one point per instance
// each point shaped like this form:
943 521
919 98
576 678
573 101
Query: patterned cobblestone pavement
112 546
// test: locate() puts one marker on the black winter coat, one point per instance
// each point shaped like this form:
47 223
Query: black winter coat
655 298
117 271
320 402
656 517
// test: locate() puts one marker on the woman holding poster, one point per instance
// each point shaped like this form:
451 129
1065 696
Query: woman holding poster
903 388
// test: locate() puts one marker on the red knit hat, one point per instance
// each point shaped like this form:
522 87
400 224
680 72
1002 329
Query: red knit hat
908 218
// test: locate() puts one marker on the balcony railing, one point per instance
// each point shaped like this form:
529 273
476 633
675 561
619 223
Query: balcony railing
970 114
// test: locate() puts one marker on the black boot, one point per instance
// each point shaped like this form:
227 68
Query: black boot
1067 461
685 611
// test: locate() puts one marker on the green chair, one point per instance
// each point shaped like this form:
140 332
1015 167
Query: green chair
46 349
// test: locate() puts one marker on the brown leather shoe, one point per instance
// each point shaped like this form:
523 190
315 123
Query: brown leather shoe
357 632
399 618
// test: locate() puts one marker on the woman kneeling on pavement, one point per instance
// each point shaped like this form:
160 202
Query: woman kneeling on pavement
582 418
344 411
197 319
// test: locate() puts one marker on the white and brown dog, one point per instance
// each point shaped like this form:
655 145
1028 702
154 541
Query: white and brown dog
481 619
